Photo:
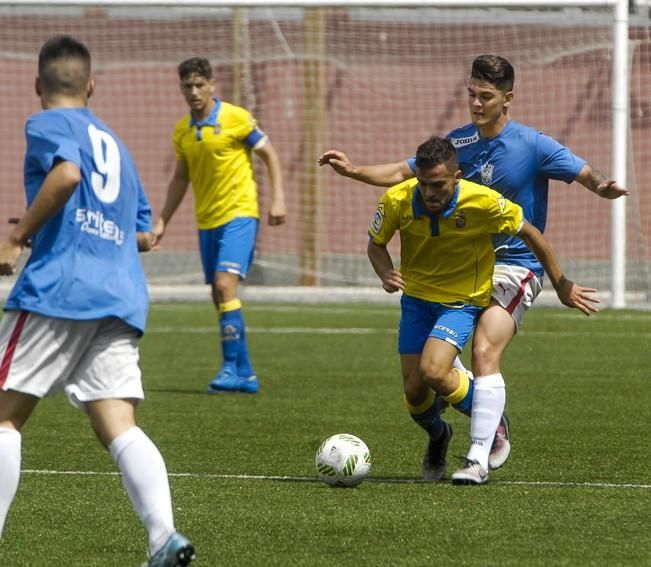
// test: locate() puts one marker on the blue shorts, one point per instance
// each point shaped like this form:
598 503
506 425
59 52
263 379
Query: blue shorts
228 248
422 319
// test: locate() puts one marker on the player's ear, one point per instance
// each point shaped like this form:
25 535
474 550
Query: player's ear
37 86
508 98
458 175
90 89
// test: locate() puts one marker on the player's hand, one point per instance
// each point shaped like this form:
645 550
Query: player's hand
277 213
9 254
392 281
16 220
577 296
338 161
610 189
157 234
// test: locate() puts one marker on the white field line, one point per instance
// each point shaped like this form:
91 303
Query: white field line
373 331
277 478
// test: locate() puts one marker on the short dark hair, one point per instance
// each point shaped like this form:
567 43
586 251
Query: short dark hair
435 151
195 66
64 65
495 70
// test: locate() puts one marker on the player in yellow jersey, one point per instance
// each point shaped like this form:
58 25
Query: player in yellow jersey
214 145
446 270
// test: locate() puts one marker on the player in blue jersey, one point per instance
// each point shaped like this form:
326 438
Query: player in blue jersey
213 144
518 162
74 317
446 267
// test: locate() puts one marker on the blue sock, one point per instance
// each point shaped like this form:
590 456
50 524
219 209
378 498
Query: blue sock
230 323
427 415
465 405
244 368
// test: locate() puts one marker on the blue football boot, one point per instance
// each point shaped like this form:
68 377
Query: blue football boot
178 551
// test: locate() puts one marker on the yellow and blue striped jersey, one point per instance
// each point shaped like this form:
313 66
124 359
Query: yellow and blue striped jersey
446 258
217 152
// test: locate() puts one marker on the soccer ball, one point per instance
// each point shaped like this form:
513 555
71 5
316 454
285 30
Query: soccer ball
343 460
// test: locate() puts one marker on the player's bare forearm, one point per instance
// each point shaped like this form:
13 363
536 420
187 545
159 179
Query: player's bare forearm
380 259
278 209
595 181
381 175
57 188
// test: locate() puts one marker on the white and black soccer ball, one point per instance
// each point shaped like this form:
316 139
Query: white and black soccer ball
343 460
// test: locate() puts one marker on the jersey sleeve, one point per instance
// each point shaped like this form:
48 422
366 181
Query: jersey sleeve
505 217
176 140
411 162
385 221
556 161
49 141
248 131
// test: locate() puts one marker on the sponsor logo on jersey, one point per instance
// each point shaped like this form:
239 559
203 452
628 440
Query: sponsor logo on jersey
459 142
378 219
95 224
487 173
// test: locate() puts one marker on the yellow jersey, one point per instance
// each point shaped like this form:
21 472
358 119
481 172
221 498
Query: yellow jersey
217 152
448 257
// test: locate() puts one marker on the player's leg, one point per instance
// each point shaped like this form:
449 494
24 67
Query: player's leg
415 324
144 474
452 330
15 409
26 347
236 245
489 395
514 291
106 383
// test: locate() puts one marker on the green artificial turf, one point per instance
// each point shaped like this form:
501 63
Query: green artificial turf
576 491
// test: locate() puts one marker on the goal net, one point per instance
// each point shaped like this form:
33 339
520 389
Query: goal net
373 82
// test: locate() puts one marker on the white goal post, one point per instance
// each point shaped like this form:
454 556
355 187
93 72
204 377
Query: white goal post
318 268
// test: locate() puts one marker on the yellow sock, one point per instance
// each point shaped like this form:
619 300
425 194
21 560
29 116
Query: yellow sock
232 305
422 407
462 391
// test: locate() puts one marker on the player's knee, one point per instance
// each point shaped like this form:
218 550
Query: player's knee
435 377
224 288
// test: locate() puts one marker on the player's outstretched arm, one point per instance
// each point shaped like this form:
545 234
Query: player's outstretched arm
596 182
570 293
278 208
391 278
382 175
176 190
59 184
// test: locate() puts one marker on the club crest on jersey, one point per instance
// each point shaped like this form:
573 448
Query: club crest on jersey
501 202
487 173
378 219
460 219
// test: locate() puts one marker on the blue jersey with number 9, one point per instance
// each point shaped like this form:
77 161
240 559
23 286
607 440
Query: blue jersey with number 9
84 261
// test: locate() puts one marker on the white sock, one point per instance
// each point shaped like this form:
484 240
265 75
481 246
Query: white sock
459 365
10 441
144 476
488 404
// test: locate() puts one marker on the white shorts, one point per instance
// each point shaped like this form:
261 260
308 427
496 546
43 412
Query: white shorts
515 289
89 360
